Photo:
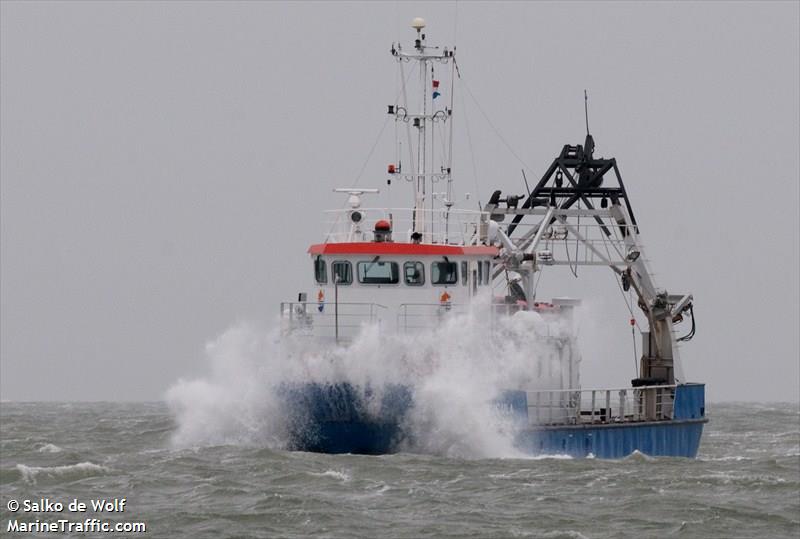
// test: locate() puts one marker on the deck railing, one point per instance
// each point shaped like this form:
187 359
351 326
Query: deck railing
451 227
320 319
342 320
416 316
580 406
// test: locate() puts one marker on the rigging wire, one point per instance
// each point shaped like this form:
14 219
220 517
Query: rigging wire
628 299
628 305
471 150
380 133
574 270
442 138
375 145
450 114
634 326
411 159
455 24
434 180
635 353
372 150
536 283
494 128
577 243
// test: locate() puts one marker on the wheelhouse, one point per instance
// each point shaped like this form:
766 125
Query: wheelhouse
419 272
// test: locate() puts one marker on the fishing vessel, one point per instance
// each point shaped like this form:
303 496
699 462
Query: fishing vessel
409 270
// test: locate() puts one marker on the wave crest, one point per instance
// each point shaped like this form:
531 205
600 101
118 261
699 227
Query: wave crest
30 474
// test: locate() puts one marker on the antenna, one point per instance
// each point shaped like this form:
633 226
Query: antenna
586 109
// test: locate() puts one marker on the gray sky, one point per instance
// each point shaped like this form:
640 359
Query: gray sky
164 167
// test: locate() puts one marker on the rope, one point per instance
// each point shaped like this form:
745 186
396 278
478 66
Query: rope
628 301
572 270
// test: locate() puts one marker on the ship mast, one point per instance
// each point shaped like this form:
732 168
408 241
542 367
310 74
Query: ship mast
421 154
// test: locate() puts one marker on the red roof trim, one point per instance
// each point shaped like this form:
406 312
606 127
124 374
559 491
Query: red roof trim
391 248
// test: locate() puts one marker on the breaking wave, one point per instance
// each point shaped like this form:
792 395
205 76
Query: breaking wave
30 474
342 476
456 370
49 448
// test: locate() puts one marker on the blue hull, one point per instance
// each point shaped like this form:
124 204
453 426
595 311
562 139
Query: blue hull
675 438
340 418
678 437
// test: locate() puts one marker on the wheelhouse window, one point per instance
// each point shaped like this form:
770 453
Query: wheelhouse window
484 272
464 272
444 272
378 272
342 272
320 270
414 273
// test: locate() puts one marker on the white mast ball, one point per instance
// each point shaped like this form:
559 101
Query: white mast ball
418 23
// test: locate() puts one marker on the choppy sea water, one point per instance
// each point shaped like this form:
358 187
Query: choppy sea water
745 483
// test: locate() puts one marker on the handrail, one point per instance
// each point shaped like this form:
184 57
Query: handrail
428 210
444 226
308 317
573 390
315 303
601 405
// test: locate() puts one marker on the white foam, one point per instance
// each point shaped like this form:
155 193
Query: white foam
638 456
49 448
728 458
568 534
30 473
344 477
456 370
555 456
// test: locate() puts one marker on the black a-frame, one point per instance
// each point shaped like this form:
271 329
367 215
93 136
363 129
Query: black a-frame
584 182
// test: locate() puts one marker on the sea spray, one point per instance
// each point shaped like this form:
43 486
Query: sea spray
234 403
455 371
